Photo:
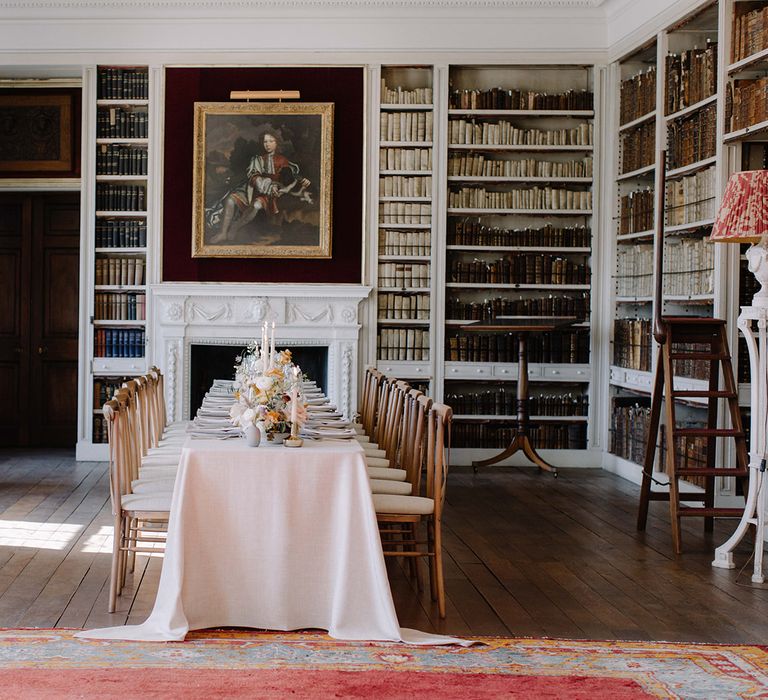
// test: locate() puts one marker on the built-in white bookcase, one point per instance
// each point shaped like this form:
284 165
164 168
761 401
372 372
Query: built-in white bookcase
118 164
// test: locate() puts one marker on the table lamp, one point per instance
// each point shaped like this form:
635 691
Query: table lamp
743 218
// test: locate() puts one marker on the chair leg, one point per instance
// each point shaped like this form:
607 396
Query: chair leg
126 543
438 539
132 554
431 561
414 561
115 570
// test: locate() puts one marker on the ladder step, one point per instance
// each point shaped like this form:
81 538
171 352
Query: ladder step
700 356
713 471
707 432
710 512
664 496
704 394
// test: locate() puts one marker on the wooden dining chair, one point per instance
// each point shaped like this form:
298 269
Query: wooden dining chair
132 513
165 429
375 409
371 382
408 512
145 454
389 428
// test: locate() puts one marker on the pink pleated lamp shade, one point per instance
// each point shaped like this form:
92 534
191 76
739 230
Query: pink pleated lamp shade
743 213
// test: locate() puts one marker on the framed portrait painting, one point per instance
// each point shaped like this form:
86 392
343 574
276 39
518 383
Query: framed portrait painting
262 180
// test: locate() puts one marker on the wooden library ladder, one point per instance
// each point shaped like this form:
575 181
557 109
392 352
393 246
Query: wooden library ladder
709 334
702 339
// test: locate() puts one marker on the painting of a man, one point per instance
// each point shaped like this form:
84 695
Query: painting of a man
265 181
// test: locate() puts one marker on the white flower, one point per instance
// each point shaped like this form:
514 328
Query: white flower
264 383
247 417
236 411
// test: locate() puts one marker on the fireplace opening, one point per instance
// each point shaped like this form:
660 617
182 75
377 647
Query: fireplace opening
209 362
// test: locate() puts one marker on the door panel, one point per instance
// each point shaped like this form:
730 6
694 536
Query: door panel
56 412
10 415
60 285
10 288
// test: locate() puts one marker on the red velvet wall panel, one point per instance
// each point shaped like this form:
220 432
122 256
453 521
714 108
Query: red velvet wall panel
342 86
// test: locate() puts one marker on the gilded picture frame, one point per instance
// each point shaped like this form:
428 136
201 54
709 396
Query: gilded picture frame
263 180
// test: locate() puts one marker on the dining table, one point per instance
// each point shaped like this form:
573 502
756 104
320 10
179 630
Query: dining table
272 537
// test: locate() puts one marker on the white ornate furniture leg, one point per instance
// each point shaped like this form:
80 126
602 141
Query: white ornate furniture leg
754 510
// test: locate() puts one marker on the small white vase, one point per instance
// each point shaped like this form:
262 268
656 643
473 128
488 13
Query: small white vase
252 435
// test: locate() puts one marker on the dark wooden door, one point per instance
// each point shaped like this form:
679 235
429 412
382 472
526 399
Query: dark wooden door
39 278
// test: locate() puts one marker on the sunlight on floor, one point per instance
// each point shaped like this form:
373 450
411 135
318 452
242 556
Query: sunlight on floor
21 533
99 542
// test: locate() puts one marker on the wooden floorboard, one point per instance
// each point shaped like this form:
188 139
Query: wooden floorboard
525 555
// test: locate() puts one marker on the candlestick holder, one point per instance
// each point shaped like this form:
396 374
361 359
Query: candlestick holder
294 440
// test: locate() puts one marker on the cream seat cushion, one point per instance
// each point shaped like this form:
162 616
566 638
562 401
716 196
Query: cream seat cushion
388 486
387 473
160 461
402 505
147 502
376 461
158 473
155 485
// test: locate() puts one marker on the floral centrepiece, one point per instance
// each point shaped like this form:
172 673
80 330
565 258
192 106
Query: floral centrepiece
267 391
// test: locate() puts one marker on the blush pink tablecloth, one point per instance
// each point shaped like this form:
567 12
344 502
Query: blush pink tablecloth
275 538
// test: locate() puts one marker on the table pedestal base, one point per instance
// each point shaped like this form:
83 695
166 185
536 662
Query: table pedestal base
522 442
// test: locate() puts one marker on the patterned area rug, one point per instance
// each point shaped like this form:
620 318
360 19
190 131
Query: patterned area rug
234 663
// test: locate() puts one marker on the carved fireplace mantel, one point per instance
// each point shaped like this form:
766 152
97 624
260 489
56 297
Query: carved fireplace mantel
183 314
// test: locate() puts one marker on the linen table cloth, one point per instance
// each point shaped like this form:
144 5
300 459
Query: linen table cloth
276 538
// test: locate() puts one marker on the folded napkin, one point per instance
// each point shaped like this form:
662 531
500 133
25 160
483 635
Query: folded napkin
319 401
323 414
336 433
212 422
213 412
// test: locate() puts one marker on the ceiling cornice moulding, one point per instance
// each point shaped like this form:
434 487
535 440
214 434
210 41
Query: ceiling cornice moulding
250 5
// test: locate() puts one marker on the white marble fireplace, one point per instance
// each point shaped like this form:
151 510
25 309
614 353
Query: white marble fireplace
183 314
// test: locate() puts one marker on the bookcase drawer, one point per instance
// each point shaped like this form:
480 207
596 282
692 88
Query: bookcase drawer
119 365
508 371
467 370
567 373
405 370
